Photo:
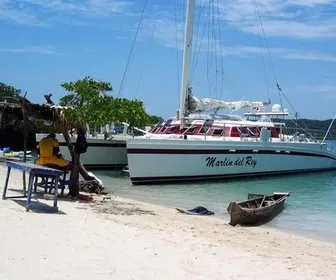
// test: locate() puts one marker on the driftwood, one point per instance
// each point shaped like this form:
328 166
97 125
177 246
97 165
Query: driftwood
48 98
91 186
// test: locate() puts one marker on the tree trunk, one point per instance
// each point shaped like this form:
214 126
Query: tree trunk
77 168
82 169
74 177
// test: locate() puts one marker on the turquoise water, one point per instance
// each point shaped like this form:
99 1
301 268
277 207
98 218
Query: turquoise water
310 210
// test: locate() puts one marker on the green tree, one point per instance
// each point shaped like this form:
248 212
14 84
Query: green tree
152 119
89 102
9 93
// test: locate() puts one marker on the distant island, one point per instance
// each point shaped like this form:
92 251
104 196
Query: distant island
316 128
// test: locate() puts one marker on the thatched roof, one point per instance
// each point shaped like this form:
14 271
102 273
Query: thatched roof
34 111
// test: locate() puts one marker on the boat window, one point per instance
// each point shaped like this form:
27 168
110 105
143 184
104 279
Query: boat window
190 131
253 131
204 130
155 129
173 130
265 119
234 132
217 132
275 132
243 131
162 129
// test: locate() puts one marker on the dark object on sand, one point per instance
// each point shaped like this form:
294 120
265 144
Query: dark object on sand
199 210
258 209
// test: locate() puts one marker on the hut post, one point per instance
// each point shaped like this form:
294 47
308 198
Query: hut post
1 116
25 136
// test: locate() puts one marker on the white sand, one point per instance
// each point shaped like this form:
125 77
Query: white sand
124 239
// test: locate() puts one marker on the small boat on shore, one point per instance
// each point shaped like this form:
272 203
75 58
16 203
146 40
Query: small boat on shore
257 209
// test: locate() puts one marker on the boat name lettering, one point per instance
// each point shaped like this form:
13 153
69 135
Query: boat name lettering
244 161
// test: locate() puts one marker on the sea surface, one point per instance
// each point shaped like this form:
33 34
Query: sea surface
310 210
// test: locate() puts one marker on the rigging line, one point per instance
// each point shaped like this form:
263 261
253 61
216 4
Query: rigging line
210 53
194 62
290 104
200 45
220 49
269 51
132 48
262 53
142 72
298 126
265 38
177 49
216 56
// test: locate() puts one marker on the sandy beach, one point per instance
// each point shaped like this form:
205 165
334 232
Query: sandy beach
118 238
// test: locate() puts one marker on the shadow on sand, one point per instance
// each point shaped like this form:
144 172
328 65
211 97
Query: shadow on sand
39 207
120 209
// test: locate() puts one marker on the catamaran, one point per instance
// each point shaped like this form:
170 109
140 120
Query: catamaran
195 146
106 149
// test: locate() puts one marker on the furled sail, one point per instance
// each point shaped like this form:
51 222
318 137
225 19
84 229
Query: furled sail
208 104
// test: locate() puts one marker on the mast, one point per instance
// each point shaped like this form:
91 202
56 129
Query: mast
186 58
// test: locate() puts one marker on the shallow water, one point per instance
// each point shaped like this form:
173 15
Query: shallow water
310 210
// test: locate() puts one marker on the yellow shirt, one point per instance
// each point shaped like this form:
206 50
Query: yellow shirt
47 146
47 156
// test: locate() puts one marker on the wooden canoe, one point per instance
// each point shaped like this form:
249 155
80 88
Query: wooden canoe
257 210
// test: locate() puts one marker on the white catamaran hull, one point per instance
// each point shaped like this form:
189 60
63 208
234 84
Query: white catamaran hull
155 161
101 154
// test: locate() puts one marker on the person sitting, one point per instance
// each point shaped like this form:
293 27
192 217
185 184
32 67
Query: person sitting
48 150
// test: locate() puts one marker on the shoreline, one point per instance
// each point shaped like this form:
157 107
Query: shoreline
118 238
329 238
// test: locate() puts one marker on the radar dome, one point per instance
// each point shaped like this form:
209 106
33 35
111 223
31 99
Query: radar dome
276 108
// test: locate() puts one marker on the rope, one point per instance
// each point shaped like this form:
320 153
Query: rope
220 49
200 45
132 48
268 49
262 53
195 57
177 50
210 52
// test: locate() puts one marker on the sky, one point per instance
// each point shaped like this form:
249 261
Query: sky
241 50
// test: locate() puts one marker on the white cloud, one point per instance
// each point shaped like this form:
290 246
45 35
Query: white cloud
43 12
291 54
168 33
35 49
306 19
327 90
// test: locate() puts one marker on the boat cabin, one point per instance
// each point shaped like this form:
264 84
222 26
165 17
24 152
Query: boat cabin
217 128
